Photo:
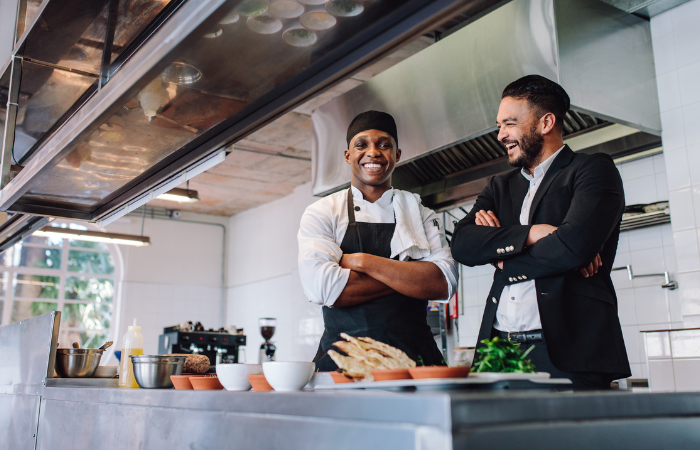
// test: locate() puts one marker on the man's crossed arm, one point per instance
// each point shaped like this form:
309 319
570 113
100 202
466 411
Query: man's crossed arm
537 232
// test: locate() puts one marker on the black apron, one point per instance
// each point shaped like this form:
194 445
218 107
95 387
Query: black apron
395 319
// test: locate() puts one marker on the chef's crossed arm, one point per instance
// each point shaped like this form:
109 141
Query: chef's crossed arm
331 280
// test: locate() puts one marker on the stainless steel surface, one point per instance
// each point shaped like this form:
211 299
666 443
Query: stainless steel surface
434 167
598 69
18 227
446 114
19 417
188 428
77 362
645 8
27 358
11 78
86 169
320 420
153 372
107 383
349 420
668 283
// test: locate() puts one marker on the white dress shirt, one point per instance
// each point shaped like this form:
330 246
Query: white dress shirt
322 230
517 310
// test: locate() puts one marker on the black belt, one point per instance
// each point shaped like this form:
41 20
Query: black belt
521 337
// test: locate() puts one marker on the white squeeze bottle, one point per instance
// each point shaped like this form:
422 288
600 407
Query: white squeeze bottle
132 344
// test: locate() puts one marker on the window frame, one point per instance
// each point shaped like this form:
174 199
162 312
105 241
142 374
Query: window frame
8 298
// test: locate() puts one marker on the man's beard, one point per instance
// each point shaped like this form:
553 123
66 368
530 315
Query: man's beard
530 149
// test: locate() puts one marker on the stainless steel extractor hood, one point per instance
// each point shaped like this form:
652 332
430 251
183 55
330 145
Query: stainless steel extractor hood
208 74
445 98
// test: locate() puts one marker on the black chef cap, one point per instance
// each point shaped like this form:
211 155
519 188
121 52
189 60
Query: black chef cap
372 120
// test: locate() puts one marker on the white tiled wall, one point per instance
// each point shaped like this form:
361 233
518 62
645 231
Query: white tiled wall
176 279
643 304
677 56
159 305
264 281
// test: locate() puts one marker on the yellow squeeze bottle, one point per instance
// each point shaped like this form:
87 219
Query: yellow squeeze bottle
132 344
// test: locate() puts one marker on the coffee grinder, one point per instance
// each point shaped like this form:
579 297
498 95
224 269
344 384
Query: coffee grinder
267 330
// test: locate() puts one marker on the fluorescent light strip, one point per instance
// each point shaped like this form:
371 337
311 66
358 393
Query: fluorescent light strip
180 195
94 236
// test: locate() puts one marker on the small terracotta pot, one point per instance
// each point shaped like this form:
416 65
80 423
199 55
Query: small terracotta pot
340 377
206 383
391 374
259 382
439 372
182 381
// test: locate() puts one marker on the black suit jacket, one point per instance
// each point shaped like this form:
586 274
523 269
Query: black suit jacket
583 196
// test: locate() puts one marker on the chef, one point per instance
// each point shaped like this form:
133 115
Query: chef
373 256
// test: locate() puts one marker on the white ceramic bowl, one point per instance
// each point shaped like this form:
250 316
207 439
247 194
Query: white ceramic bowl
234 377
285 376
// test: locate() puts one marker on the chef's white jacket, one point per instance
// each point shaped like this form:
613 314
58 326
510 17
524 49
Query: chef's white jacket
323 227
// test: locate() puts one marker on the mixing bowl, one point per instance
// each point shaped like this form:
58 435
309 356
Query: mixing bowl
77 362
234 376
153 371
288 375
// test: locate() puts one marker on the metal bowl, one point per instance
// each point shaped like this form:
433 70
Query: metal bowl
77 362
153 371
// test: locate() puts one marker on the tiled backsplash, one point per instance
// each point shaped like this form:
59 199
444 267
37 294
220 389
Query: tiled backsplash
677 56
642 303
156 306
674 360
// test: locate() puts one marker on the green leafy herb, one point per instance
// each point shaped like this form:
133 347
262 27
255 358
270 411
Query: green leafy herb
502 356
420 361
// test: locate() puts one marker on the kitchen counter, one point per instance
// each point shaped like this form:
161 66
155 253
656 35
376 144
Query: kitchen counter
38 412
370 419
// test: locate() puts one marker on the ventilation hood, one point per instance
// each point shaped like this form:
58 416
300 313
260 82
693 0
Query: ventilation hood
124 120
446 97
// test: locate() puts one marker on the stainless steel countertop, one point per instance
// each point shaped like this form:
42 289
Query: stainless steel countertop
441 410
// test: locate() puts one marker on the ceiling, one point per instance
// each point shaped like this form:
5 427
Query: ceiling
271 162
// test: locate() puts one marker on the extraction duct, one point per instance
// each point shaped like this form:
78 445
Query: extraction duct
445 98
645 8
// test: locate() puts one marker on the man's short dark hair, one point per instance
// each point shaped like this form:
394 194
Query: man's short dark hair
543 95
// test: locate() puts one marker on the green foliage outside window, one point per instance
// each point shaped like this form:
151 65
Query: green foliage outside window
92 317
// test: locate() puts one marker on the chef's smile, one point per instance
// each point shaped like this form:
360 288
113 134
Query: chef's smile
373 168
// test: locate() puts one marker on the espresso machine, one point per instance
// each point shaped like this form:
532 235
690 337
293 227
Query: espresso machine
267 348
219 346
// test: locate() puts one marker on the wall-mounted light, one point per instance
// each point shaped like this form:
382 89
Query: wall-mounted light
180 195
94 236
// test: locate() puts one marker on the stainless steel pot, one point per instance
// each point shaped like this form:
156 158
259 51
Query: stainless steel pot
77 362
153 371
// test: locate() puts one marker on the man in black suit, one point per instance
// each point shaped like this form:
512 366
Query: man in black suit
551 228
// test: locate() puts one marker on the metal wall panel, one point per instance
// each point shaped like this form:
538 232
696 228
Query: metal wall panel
447 93
115 427
607 63
25 348
18 421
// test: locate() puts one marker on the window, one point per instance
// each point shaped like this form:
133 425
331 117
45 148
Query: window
78 278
